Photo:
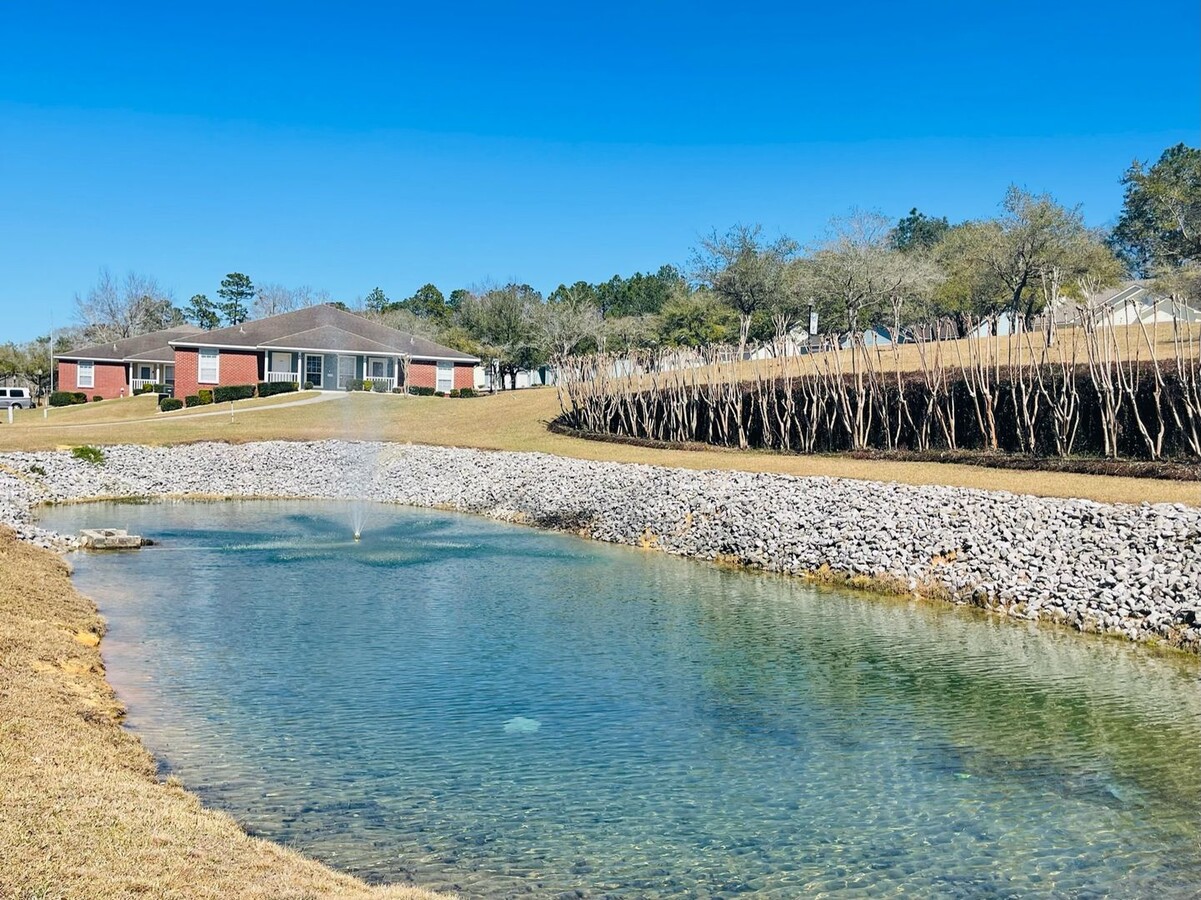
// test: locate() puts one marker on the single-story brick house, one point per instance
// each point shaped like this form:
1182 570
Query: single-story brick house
319 345
122 367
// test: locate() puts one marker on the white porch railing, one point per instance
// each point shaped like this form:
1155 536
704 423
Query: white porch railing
284 376
136 384
381 384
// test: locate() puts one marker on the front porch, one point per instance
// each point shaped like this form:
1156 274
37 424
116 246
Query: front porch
334 371
143 376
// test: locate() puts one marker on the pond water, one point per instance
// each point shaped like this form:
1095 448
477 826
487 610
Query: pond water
505 712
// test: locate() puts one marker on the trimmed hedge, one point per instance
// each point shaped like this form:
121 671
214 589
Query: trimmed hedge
229 392
170 404
68 398
96 398
421 391
463 392
191 400
271 388
204 397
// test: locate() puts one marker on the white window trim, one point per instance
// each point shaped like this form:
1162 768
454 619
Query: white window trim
449 368
216 367
91 369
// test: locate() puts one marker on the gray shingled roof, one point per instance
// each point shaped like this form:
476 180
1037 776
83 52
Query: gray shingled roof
150 347
322 328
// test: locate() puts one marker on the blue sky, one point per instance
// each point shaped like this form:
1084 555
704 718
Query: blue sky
352 145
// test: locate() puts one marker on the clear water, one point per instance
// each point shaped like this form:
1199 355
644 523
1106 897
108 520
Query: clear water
504 712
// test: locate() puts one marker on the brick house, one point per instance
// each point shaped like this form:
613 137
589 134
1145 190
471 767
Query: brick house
122 367
321 345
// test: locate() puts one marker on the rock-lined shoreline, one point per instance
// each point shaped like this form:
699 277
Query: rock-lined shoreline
1133 571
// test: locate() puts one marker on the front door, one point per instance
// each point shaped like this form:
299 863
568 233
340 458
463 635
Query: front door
345 371
281 362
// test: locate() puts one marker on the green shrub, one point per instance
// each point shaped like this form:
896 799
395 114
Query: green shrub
170 404
191 400
271 388
79 397
204 397
96 398
355 384
422 391
440 394
380 387
398 390
308 385
89 454
66 398
151 389
229 392
467 392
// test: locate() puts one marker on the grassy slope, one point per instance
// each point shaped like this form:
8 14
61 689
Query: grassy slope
517 421
82 814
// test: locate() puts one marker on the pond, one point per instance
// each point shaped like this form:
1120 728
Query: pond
485 707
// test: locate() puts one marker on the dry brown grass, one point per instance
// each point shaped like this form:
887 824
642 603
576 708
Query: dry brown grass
517 421
82 814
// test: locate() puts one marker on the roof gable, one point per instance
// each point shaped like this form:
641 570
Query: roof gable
153 346
309 328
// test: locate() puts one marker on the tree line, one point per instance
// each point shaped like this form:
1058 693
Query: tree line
742 285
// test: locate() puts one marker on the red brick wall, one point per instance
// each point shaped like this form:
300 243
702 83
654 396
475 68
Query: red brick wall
236 367
186 361
422 374
425 374
239 367
109 379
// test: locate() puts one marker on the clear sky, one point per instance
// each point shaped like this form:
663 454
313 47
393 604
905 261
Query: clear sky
344 146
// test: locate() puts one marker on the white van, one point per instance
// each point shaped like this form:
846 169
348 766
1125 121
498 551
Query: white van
18 397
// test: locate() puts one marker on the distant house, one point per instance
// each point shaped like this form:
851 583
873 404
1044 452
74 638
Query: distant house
321 345
122 367
1129 303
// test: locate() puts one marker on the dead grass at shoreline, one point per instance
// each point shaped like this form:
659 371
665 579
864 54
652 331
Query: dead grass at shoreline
82 813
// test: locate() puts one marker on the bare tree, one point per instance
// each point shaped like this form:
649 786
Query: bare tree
273 299
566 324
119 308
746 271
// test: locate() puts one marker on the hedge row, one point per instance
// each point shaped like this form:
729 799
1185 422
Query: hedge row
816 414
68 398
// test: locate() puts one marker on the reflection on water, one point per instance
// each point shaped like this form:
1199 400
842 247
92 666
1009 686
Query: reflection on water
473 705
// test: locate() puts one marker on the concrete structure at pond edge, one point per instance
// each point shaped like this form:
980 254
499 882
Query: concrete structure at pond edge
1133 571
109 539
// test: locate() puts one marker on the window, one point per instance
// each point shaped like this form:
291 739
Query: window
446 377
209 371
144 373
86 376
378 368
312 369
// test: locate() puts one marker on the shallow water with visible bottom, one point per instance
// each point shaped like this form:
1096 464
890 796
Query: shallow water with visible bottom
487 708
